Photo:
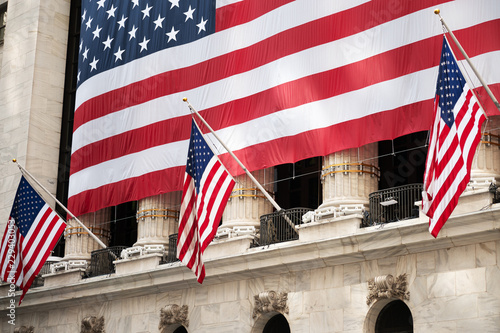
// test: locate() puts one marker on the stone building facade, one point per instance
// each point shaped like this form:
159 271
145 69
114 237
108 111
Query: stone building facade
340 275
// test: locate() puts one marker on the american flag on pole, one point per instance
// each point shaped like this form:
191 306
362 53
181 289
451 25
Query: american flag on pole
313 77
207 186
32 232
454 137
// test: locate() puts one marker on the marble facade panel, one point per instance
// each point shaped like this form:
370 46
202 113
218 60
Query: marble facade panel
387 265
443 309
471 281
230 312
327 321
296 304
418 291
139 323
337 298
486 325
456 258
441 327
426 262
488 305
299 324
492 278
441 284
353 319
316 300
352 274
287 282
210 314
486 254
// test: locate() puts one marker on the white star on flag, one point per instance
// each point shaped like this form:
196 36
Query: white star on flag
189 13
172 34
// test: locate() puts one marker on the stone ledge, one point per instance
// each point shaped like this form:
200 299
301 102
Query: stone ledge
142 263
337 227
228 247
68 277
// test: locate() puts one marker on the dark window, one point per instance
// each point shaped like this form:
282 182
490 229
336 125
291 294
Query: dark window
299 184
277 324
394 317
124 224
402 160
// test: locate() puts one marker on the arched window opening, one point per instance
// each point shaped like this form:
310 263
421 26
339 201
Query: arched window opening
277 324
395 317
181 329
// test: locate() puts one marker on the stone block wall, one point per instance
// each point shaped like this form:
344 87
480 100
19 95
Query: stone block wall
451 290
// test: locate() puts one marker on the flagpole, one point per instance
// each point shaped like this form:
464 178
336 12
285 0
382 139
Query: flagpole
255 181
24 171
457 43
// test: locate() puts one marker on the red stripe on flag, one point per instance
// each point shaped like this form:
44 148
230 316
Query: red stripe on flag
152 183
334 82
343 136
303 37
244 11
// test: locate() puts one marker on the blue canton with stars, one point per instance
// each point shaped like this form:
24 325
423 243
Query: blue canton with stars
450 84
115 32
26 207
199 155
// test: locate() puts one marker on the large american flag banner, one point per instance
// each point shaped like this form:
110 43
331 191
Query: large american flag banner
279 81
32 232
207 186
454 137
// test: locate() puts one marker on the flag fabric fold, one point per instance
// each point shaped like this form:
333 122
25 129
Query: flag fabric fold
32 232
455 134
207 186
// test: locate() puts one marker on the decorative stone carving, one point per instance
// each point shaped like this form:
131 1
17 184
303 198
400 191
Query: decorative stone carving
24 329
386 286
269 301
173 314
92 324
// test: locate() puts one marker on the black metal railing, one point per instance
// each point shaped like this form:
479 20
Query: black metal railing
172 249
276 228
101 261
393 204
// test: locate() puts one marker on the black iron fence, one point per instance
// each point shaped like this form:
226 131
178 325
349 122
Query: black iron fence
172 249
101 261
393 204
277 227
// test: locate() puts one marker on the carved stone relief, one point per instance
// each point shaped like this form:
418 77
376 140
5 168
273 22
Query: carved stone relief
92 324
24 329
269 301
173 314
386 286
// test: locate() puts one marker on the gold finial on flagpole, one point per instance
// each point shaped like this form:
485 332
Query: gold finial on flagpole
185 99
14 160
437 11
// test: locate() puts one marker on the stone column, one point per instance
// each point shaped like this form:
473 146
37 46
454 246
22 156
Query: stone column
247 203
78 243
348 181
157 218
486 163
